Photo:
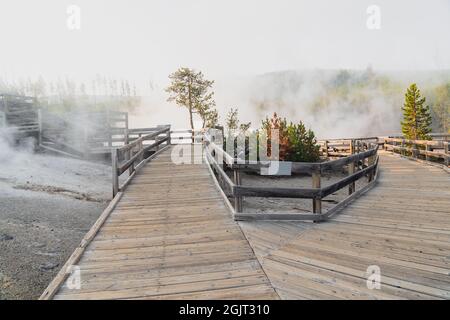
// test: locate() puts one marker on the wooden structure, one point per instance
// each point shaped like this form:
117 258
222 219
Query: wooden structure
362 162
20 114
429 150
132 156
400 228
338 148
169 233
83 135
165 238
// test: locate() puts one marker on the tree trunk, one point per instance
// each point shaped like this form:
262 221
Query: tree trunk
190 110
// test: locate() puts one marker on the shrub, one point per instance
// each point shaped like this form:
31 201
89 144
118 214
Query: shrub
296 143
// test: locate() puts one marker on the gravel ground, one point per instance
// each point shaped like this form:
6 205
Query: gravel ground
47 204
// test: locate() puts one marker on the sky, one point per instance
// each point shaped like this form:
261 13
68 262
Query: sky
145 40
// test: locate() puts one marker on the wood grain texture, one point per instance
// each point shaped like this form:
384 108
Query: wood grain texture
170 236
402 225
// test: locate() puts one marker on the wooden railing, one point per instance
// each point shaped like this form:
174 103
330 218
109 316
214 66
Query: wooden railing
135 154
330 148
429 150
364 162
186 136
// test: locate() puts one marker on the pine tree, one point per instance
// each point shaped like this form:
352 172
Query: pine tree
416 124
232 121
190 90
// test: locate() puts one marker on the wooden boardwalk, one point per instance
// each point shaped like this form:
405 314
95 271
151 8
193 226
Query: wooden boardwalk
402 226
172 238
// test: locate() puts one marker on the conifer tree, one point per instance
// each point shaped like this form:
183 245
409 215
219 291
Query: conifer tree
189 89
416 124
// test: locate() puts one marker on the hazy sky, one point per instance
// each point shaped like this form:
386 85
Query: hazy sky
146 40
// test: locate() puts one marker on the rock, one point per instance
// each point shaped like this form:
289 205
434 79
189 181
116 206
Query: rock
48 266
5 237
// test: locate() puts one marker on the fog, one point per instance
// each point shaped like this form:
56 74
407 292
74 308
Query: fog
243 45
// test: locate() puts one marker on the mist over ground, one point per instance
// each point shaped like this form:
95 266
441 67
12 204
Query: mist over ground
334 103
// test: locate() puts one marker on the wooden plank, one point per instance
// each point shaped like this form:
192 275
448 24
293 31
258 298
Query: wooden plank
62 275
169 236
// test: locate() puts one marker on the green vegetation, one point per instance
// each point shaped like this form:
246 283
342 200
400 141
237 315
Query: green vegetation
296 143
441 107
65 95
416 122
189 89
232 123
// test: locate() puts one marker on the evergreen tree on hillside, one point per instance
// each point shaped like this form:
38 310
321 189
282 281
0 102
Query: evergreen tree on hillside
416 124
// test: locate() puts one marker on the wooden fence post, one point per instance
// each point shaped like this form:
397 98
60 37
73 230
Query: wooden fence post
237 199
169 142
371 161
447 153
427 149
317 202
351 168
115 177
141 148
128 155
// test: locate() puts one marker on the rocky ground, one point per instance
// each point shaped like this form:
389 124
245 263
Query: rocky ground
47 204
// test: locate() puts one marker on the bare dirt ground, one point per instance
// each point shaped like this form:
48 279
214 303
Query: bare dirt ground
47 204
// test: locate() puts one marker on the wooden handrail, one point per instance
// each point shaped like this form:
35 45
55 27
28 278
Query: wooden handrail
134 155
410 148
316 193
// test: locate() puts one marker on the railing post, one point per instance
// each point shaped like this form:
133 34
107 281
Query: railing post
351 170
128 155
237 199
326 148
371 161
115 177
141 148
317 202
427 149
169 142
447 154
351 167
357 150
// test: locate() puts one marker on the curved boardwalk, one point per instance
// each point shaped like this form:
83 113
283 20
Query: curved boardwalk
170 237
402 226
